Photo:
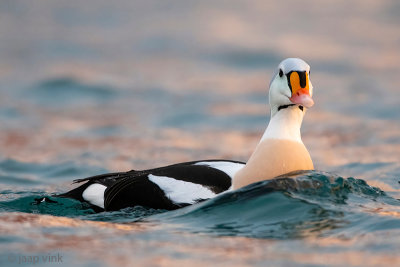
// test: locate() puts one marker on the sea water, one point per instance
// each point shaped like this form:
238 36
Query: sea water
94 87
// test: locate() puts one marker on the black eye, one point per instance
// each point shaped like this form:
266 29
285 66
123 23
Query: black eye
309 72
280 73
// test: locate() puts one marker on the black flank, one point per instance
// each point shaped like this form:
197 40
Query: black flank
128 189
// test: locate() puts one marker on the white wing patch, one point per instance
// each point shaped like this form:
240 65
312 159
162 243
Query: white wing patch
180 191
230 168
94 194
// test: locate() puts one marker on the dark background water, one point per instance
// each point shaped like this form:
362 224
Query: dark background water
96 86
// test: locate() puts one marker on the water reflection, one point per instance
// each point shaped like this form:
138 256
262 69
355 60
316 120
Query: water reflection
133 85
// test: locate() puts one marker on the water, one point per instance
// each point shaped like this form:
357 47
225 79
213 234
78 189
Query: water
307 207
88 88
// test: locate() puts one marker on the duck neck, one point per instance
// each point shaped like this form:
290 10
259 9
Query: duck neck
285 124
280 150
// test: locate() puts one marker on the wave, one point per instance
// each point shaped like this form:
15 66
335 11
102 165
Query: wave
297 205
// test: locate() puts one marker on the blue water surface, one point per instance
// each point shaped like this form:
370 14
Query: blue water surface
99 86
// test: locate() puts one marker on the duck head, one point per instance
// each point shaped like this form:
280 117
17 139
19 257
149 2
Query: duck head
291 85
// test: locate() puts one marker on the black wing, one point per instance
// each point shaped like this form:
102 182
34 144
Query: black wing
128 189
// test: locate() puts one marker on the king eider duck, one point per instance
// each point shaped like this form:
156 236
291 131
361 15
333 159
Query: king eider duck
279 151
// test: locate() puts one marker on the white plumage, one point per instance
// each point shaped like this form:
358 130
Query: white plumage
180 191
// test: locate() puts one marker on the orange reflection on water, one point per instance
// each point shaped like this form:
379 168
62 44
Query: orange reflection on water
95 242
